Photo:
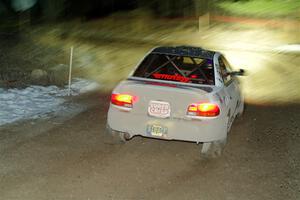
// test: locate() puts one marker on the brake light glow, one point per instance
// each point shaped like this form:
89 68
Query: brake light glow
124 100
203 110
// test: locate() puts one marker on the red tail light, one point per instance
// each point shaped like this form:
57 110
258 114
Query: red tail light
203 110
124 100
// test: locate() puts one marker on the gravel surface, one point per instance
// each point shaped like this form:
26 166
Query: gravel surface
73 159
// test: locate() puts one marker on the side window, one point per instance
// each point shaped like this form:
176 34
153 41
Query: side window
225 68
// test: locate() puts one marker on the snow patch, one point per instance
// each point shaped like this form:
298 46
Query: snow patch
39 102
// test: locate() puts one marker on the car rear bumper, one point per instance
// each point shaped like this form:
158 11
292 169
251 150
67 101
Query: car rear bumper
186 129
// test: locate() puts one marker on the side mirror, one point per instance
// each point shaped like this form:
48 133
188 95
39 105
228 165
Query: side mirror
241 72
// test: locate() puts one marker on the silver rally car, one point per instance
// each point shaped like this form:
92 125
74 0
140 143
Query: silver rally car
178 93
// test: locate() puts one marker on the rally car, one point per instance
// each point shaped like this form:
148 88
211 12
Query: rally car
178 93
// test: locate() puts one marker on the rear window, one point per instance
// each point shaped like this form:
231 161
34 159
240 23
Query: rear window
176 68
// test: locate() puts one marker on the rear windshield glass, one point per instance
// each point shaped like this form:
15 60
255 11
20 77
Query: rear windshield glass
176 68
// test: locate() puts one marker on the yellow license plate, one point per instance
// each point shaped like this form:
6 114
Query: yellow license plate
156 130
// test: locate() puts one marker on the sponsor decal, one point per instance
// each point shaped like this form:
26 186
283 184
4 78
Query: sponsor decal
171 77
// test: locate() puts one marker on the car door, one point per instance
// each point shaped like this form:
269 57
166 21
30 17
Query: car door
231 89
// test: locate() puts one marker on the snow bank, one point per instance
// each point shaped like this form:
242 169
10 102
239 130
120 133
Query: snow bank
38 102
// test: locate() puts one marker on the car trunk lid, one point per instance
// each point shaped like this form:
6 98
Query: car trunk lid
162 99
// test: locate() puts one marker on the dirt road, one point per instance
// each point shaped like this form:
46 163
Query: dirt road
73 159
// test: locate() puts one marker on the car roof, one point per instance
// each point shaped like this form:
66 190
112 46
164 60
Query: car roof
185 51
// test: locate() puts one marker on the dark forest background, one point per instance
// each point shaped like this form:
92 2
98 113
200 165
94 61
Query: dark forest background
89 9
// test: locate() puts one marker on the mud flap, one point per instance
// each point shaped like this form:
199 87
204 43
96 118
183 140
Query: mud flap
113 137
213 149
